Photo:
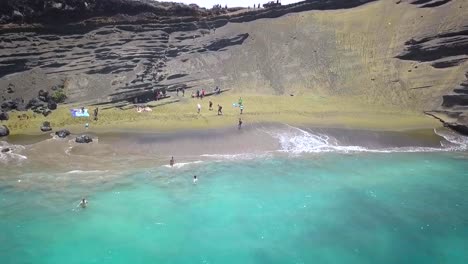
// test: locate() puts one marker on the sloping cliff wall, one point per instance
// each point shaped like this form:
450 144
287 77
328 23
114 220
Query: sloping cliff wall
400 53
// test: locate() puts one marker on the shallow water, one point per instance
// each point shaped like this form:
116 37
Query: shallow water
312 208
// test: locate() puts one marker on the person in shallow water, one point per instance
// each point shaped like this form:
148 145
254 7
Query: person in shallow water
83 203
240 123
195 179
172 162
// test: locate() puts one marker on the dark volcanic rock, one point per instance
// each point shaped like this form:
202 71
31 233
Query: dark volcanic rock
9 105
46 127
444 50
52 105
35 103
83 139
454 112
62 133
429 3
5 150
4 131
4 116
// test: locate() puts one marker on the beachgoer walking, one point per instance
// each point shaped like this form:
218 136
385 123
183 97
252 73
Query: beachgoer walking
220 110
202 93
83 203
198 108
177 91
198 94
96 111
183 91
240 101
240 123
195 179
210 104
241 107
172 161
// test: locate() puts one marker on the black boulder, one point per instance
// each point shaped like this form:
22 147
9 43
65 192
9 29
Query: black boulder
83 139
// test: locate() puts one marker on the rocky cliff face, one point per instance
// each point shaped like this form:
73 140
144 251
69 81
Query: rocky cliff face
406 54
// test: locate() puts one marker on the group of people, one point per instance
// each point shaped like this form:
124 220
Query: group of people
220 110
182 90
160 94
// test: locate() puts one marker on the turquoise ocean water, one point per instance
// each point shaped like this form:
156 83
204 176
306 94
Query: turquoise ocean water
319 208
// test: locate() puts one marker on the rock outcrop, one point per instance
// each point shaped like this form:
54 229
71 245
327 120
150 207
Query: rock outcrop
4 116
83 139
453 112
46 127
62 133
4 131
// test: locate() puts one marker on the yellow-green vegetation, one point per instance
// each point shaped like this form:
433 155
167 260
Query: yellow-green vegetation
345 112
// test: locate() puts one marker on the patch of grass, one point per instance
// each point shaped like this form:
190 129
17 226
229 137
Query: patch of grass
59 96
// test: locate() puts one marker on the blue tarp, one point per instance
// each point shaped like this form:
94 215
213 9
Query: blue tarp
79 113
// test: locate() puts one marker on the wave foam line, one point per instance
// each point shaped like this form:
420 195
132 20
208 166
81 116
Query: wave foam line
300 141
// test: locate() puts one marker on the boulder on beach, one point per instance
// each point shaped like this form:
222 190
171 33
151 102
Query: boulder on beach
62 133
83 139
5 150
52 105
4 116
4 131
46 127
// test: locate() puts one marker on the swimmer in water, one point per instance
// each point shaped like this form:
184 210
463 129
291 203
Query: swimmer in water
172 162
195 179
83 203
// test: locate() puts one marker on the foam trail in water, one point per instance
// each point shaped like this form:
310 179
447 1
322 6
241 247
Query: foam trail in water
241 156
182 164
86 172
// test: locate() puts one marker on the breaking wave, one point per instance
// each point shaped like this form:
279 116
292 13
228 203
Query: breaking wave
297 141
182 164
11 153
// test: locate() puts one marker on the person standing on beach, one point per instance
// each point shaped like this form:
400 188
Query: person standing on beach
220 110
210 104
183 92
240 124
172 161
198 108
240 101
96 111
241 107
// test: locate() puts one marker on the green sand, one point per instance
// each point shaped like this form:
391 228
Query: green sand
304 109
327 208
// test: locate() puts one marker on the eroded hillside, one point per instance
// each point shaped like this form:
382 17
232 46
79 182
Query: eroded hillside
405 54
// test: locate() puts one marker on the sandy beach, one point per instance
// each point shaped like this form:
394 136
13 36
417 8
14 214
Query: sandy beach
302 109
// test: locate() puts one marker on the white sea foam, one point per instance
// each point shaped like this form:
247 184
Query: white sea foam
86 171
13 155
182 164
297 141
240 156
